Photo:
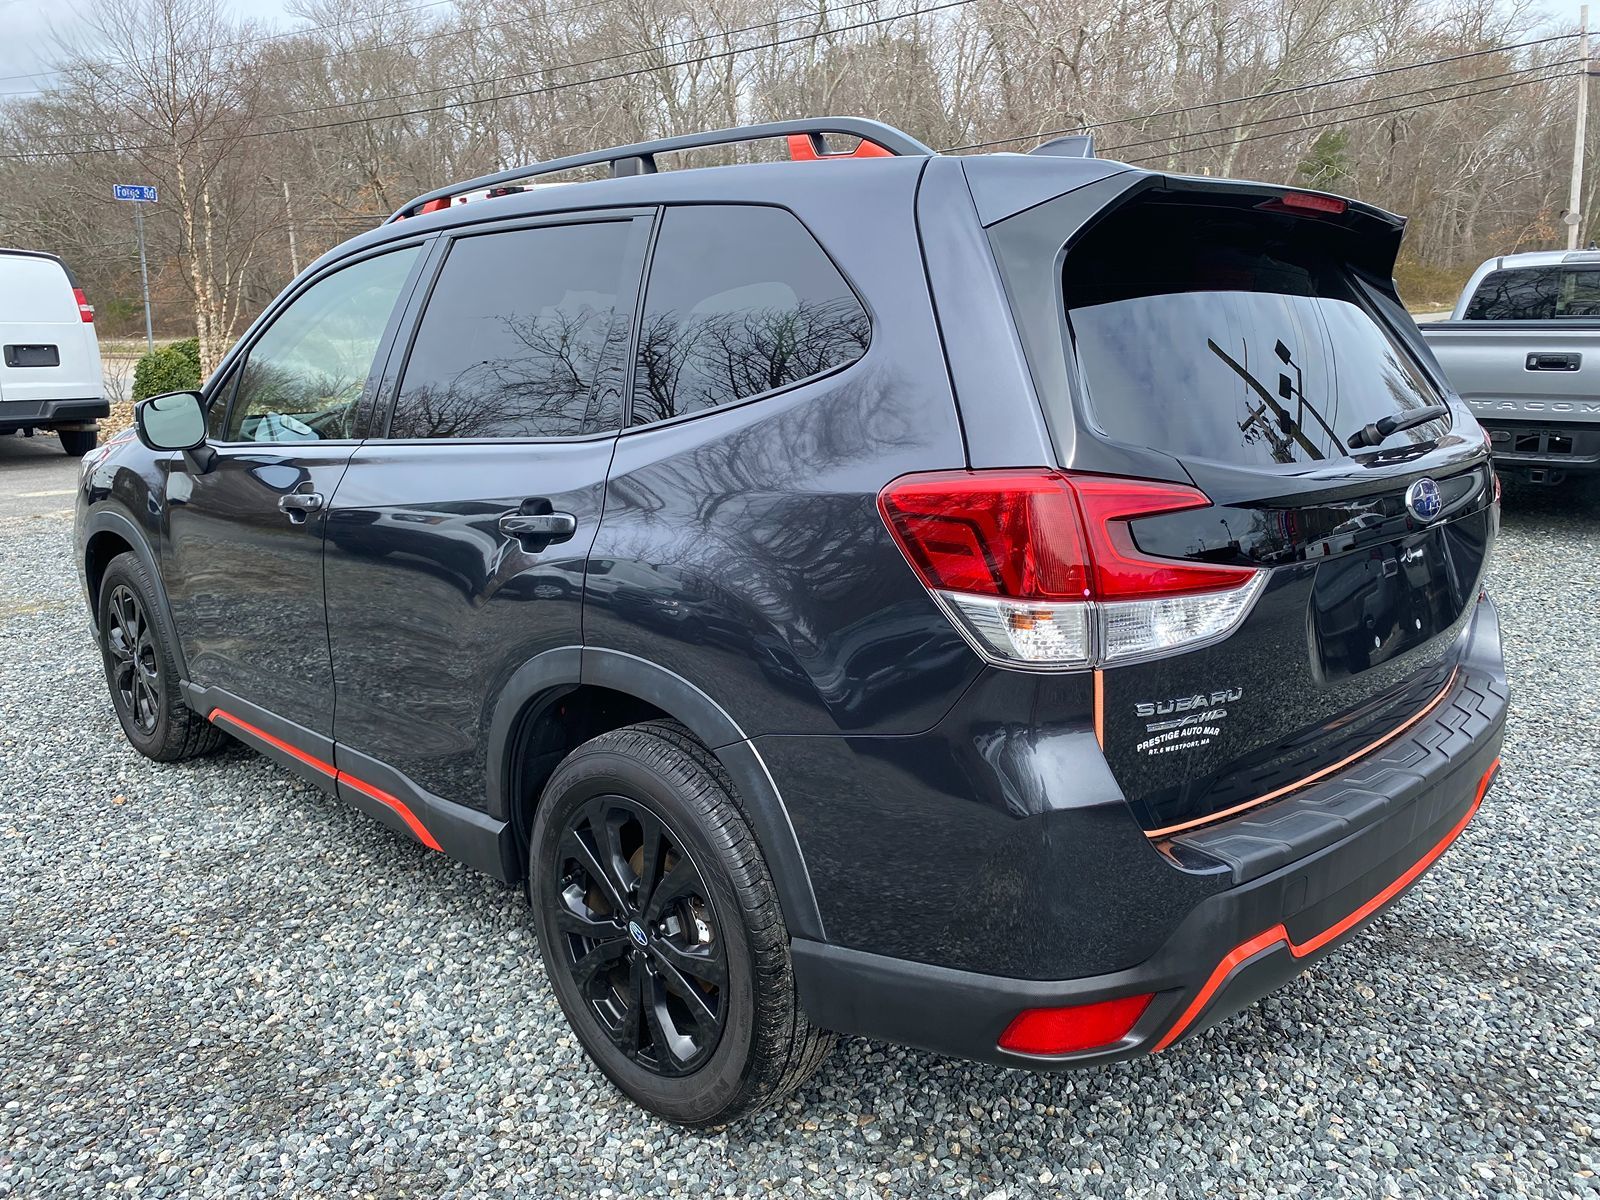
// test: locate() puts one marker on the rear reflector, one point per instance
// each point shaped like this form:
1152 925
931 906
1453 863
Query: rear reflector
1039 568
1069 1030
85 309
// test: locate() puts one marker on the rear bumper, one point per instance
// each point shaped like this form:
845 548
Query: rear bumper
1309 872
1569 448
47 414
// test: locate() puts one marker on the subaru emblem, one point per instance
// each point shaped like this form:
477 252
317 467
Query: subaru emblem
1423 500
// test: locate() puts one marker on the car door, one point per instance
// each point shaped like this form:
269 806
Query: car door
456 543
242 560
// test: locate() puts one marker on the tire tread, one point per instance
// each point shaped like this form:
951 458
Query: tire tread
184 733
787 1049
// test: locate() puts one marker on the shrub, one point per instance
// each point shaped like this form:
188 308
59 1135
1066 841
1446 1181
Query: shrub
1428 289
173 368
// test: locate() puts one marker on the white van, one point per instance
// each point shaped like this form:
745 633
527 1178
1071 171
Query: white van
49 356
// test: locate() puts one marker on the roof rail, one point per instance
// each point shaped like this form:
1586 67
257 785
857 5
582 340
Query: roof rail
807 140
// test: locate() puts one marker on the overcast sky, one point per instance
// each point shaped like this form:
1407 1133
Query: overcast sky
28 42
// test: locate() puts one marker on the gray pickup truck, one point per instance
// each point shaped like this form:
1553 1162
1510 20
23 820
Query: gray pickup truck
1523 350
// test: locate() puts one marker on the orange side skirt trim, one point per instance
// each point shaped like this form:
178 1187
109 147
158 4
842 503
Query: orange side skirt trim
1278 933
333 773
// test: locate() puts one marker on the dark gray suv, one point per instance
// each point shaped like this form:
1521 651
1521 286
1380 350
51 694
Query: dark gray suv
1023 606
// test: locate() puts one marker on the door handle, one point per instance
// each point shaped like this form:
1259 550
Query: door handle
300 505
1550 361
541 529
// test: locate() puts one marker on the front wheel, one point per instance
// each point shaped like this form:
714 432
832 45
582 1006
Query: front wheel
141 670
661 932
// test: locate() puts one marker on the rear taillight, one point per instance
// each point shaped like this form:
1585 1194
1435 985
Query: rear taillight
85 309
1040 569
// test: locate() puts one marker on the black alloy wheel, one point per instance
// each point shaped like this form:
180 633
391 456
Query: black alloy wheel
135 677
640 938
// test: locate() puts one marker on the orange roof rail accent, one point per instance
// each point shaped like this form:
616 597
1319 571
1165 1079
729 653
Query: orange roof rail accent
810 147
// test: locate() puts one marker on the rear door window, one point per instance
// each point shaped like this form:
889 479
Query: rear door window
741 301
1536 294
1239 338
525 336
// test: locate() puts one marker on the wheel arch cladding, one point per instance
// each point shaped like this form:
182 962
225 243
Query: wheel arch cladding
107 534
636 689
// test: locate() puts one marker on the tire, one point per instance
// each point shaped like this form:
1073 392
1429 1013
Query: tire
141 672
78 442
759 1046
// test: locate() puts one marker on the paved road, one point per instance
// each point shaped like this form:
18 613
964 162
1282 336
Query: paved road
35 476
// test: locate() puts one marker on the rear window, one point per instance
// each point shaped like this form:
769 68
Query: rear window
35 291
741 301
1536 294
1234 337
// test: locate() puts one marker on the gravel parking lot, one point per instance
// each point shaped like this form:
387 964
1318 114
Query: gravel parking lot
219 981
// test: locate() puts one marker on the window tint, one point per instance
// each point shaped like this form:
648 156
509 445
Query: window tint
524 337
741 300
303 379
1536 294
1233 338
217 410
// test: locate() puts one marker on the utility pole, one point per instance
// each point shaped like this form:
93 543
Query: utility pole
1579 131
139 194
144 281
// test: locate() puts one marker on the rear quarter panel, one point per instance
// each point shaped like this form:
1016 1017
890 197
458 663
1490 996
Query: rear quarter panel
742 548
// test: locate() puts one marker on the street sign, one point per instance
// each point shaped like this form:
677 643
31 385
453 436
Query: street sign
140 193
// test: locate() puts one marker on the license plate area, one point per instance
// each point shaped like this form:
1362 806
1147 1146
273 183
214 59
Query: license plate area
36 355
1376 604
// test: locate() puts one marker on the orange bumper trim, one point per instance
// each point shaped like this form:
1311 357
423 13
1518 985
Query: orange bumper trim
1323 773
1242 953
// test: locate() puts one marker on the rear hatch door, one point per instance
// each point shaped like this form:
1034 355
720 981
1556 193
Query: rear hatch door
47 350
1241 343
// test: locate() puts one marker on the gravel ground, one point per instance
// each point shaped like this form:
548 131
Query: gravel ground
218 981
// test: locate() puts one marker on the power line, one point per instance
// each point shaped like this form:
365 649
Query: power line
461 31
537 91
341 52
587 62
1316 112
1084 127
262 40
1389 112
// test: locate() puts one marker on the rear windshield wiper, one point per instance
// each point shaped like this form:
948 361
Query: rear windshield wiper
1374 433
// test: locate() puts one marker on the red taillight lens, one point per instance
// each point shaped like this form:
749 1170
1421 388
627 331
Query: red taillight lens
1311 202
990 533
85 309
1039 568
1069 1030
1042 535
1121 572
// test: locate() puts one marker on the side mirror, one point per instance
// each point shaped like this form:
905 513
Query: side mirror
174 421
